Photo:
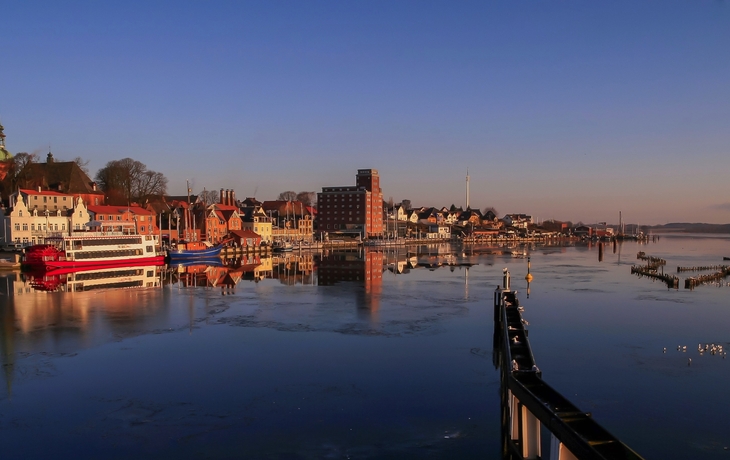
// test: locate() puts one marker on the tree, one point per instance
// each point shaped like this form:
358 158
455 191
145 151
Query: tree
83 164
209 197
406 204
307 198
289 195
127 180
19 169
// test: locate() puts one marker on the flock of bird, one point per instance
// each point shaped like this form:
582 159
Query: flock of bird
710 348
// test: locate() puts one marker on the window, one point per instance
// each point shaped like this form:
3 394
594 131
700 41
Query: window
141 228
101 217
25 227
63 227
17 227
45 199
56 227
20 213
55 199
118 217
32 226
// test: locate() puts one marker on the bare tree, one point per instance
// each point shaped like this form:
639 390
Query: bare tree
209 197
83 164
127 180
20 169
307 198
406 204
289 195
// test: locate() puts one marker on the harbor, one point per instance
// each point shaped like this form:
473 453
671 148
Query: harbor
414 318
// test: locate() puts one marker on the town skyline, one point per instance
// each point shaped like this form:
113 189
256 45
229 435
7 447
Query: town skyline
569 112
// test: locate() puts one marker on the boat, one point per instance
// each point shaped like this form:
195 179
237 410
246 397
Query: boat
282 246
726 258
10 264
193 250
202 261
75 280
93 249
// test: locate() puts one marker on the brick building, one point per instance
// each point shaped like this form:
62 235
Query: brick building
352 209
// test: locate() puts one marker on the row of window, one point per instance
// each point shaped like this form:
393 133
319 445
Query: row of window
118 217
41 227
45 199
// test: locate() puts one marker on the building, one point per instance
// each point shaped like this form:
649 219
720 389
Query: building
352 209
46 200
127 219
221 219
62 176
33 224
253 218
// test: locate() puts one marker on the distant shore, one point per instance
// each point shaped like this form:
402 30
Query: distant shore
690 228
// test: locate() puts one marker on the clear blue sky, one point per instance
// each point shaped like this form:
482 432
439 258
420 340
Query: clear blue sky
569 110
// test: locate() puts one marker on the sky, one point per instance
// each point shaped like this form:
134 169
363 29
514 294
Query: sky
566 110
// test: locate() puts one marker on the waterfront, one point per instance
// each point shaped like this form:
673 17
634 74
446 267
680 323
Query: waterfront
366 356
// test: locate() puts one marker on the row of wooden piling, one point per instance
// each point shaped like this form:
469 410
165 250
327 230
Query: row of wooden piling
670 280
652 263
692 282
704 268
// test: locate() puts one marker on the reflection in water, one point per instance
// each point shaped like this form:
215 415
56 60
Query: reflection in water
362 268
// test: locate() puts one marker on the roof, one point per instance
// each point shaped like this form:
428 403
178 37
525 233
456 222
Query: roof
43 192
107 209
245 233
65 176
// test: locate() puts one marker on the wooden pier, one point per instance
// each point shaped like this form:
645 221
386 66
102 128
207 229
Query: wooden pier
530 405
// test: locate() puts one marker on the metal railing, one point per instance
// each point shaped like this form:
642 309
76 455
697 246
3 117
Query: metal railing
530 405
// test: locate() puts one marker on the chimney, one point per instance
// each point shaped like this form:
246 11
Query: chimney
222 196
233 198
93 186
39 189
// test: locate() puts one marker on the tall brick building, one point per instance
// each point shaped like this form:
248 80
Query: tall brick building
352 209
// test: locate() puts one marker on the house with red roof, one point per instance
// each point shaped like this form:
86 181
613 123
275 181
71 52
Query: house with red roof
132 219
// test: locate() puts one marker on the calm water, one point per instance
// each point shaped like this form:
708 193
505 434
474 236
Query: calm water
359 356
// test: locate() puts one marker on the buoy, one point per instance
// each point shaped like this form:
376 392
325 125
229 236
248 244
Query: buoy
528 277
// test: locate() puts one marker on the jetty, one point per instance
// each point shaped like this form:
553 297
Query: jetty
529 405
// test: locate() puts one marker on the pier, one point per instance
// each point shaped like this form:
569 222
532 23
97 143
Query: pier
530 406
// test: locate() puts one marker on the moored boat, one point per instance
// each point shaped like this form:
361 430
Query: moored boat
93 249
193 251
282 246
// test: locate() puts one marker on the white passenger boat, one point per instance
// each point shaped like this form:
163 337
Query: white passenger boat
93 249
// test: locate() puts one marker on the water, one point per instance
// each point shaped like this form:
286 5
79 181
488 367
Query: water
361 357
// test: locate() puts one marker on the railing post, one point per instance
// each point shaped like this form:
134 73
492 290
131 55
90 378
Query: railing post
530 434
514 416
558 451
